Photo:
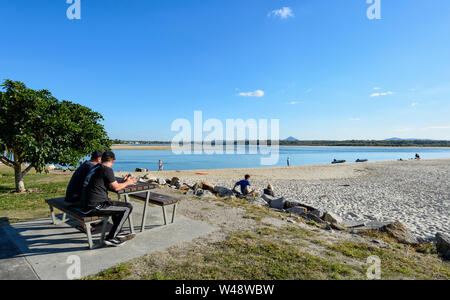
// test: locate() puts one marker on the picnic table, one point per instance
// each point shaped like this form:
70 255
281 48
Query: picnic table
142 191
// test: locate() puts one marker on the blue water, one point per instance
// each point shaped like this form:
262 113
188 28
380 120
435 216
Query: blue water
129 160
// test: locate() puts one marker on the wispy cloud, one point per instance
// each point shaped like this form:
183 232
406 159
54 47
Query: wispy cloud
308 91
377 88
282 13
293 102
257 93
414 104
382 94
354 119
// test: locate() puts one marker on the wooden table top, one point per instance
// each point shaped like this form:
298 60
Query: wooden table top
139 186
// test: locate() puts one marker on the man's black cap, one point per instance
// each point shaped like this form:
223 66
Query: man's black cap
108 155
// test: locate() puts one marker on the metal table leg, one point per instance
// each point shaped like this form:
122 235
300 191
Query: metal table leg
145 211
130 217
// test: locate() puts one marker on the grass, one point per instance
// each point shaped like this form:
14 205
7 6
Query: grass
281 253
17 207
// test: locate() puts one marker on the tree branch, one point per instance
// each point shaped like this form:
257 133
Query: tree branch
27 170
6 161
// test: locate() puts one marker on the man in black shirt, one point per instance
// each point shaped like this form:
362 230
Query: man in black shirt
73 192
95 194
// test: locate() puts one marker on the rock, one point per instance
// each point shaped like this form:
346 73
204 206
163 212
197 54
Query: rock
318 213
139 170
290 203
223 191
399 232
443 245
312 217
297 210
150 178
208 186
337 226
184 187
332 218
268 198
161 181
354 224
205 194
174 180
278 203
257 201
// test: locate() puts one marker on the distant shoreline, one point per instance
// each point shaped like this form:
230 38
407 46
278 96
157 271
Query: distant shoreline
140 147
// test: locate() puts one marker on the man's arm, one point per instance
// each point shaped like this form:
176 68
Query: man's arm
115 186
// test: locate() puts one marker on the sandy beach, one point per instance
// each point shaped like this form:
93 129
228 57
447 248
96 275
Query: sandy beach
416 193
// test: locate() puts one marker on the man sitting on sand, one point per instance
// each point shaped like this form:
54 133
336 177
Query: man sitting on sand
245 186
95 195
73 192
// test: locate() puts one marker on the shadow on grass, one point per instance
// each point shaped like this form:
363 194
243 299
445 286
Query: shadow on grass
6 190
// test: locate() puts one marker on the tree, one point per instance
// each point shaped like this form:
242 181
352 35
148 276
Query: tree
37 129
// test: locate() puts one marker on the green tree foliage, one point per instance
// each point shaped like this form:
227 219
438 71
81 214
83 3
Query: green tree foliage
36 129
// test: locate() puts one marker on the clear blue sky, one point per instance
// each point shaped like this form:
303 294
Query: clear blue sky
326 70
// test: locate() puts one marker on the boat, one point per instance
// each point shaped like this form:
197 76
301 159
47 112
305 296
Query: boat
362 160
338 161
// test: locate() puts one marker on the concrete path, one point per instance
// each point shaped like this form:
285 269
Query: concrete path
40 250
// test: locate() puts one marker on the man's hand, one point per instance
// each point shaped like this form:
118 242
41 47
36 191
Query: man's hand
130 180
127 181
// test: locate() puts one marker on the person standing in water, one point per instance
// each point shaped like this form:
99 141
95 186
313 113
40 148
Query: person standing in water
160 166
288 161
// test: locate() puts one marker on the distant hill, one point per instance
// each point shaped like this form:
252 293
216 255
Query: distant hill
399 139
291 139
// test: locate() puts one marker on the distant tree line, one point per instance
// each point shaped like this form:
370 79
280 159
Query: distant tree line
317 143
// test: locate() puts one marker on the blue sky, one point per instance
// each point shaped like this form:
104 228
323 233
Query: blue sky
320 66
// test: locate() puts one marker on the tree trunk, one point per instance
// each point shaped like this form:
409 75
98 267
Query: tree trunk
18 176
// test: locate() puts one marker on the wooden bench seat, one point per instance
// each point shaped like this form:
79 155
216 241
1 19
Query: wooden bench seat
75 212
160 200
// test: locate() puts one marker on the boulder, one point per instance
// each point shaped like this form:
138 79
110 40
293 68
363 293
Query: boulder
268 198
297 210
443 245
174 180
292 203
257 201
208 186
318 213
223 191
332 218
184 187
161 181
278 203
150 178
312 217
399 232
204 194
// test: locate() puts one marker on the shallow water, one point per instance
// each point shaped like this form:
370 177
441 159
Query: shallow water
129 160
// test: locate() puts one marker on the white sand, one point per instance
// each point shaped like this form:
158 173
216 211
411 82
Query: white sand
416 193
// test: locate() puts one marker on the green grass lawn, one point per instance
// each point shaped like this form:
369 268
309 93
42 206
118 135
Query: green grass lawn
16 207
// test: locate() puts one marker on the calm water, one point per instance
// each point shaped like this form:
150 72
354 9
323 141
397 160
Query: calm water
129 160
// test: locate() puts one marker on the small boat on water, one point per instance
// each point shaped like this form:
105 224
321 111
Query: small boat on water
338 161
362 160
